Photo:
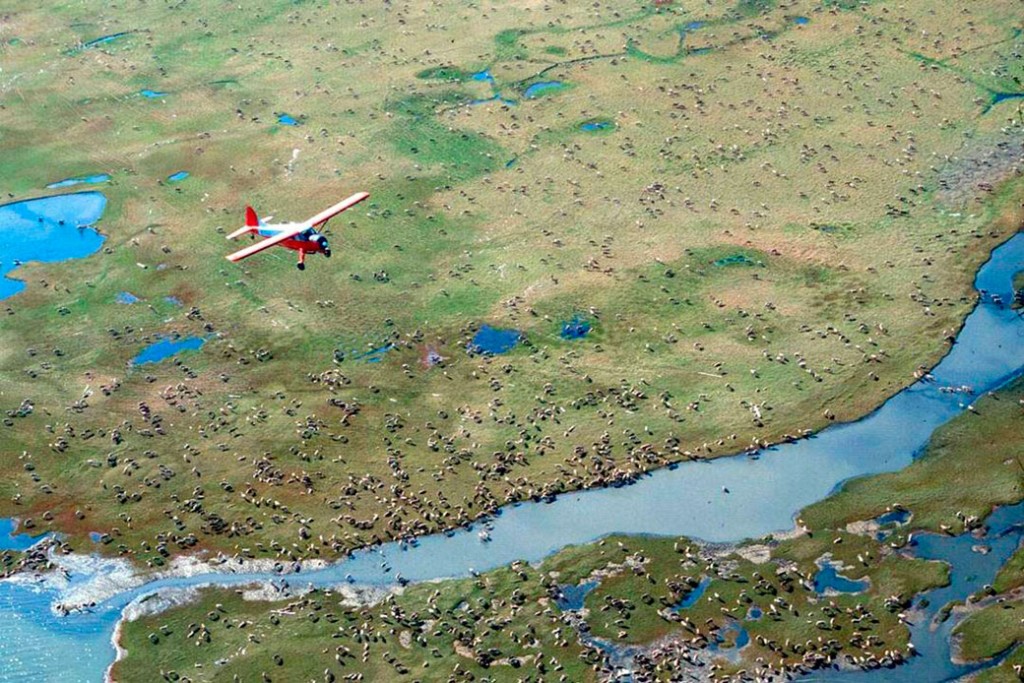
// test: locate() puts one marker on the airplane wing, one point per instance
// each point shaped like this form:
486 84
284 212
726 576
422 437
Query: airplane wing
241 231
267 243
328 214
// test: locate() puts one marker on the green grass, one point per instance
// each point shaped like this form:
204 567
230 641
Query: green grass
973 450
507 614
703 163
990 631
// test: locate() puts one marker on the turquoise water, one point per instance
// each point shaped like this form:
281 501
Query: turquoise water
48 229
764 495
1003 96
80 180
126 298
104 40
176 177
592 126
286 120
152 94
165 348
542 88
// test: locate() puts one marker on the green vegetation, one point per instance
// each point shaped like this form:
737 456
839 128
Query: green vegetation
990 631
278 441
992 475
499 625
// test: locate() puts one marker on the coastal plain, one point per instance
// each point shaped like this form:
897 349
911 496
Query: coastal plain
694 229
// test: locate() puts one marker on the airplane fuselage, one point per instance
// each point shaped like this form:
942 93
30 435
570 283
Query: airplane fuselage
309 241
304 237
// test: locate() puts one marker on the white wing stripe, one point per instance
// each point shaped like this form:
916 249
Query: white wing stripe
327 214
269 242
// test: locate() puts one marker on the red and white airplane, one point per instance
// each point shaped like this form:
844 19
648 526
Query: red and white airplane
301 237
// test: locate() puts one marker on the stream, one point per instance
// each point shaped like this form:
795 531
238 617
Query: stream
764 493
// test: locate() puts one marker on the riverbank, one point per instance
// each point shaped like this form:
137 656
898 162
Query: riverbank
994 277
680 605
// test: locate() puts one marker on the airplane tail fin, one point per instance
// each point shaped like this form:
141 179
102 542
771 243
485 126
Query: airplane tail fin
252 224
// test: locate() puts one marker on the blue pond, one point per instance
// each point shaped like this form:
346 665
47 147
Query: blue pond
894 517
591 126
544 87
1003 96
734 632
95 536
694 25
152 94
126 298
80 180
828 578
374 355
694 595
104 39
754 613
165 348
577 328
573 596
176 177
484 75
765 494
286 120
11 541
48 229
493 340
493 98
801 20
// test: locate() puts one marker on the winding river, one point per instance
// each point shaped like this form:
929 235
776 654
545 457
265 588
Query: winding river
763 496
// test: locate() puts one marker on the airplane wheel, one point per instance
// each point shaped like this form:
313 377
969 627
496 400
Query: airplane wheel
300 266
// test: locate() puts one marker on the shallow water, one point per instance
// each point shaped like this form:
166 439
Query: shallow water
577 328
176 177
80 180
165 348
12 541
103 40
573 597
829 578
493 340
971 571
544 87
286 120
764 494
32 231
694 595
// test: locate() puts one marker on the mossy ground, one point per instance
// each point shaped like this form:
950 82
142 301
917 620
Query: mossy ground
262 444
641 582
